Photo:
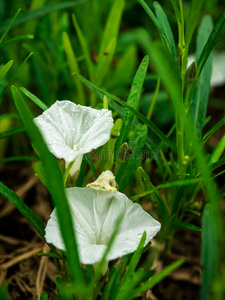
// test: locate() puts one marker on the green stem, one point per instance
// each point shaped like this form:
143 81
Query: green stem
151 108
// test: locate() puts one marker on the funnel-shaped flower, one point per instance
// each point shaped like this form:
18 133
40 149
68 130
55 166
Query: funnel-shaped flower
72 130
94 214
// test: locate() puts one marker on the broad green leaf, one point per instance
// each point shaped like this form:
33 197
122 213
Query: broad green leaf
213 130
34 98
164 24
23 209
5 69
157 278
132 100
55 186
209 252
192 20
101 92
73 65
200 100
12 131
40 13
211 42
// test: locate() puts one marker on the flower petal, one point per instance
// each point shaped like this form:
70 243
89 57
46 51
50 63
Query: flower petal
105 182
70 129
95 213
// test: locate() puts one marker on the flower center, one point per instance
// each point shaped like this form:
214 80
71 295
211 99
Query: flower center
75 147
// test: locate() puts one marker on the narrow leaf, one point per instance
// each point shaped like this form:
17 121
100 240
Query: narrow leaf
23 209
101 92
34 98
5 69
132 100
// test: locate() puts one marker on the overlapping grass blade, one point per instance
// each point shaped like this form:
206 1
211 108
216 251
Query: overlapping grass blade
132 100
200 100
211 42
5 69
213 130
157 278
192 20
164 24
55 186
23 209
101 92
12 131
73 65
34 98
8 26
40 13
209 253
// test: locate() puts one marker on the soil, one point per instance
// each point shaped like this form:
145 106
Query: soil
29 275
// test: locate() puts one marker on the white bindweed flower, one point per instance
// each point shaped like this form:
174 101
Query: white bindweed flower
105 182
94 214
72 130
218 68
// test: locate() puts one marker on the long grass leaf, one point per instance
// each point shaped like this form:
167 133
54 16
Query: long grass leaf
12 131
40 13
213 129
5 69
23 209
55 186
211 42
200 100
101 92
8 26
132 100
164 24
34 98
73 65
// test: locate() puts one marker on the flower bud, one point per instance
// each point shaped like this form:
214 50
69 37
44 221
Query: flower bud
123 153
192 72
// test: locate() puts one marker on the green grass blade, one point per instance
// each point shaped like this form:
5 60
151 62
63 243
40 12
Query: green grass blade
192 20
73 65
5 69
86 156
157 278
84 46
23 209
7 27
18 158
34 98
40 13
200 100
64 291
12 131
164 24
187 226
101 92
209 252
217 164
44 296
112 26
55 186
133 263
217 152
3 292
132 100
159 24
211 42
213 130
18 38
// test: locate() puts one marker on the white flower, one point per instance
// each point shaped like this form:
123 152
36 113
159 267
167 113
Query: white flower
105 182
218 68
94 214
72 130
